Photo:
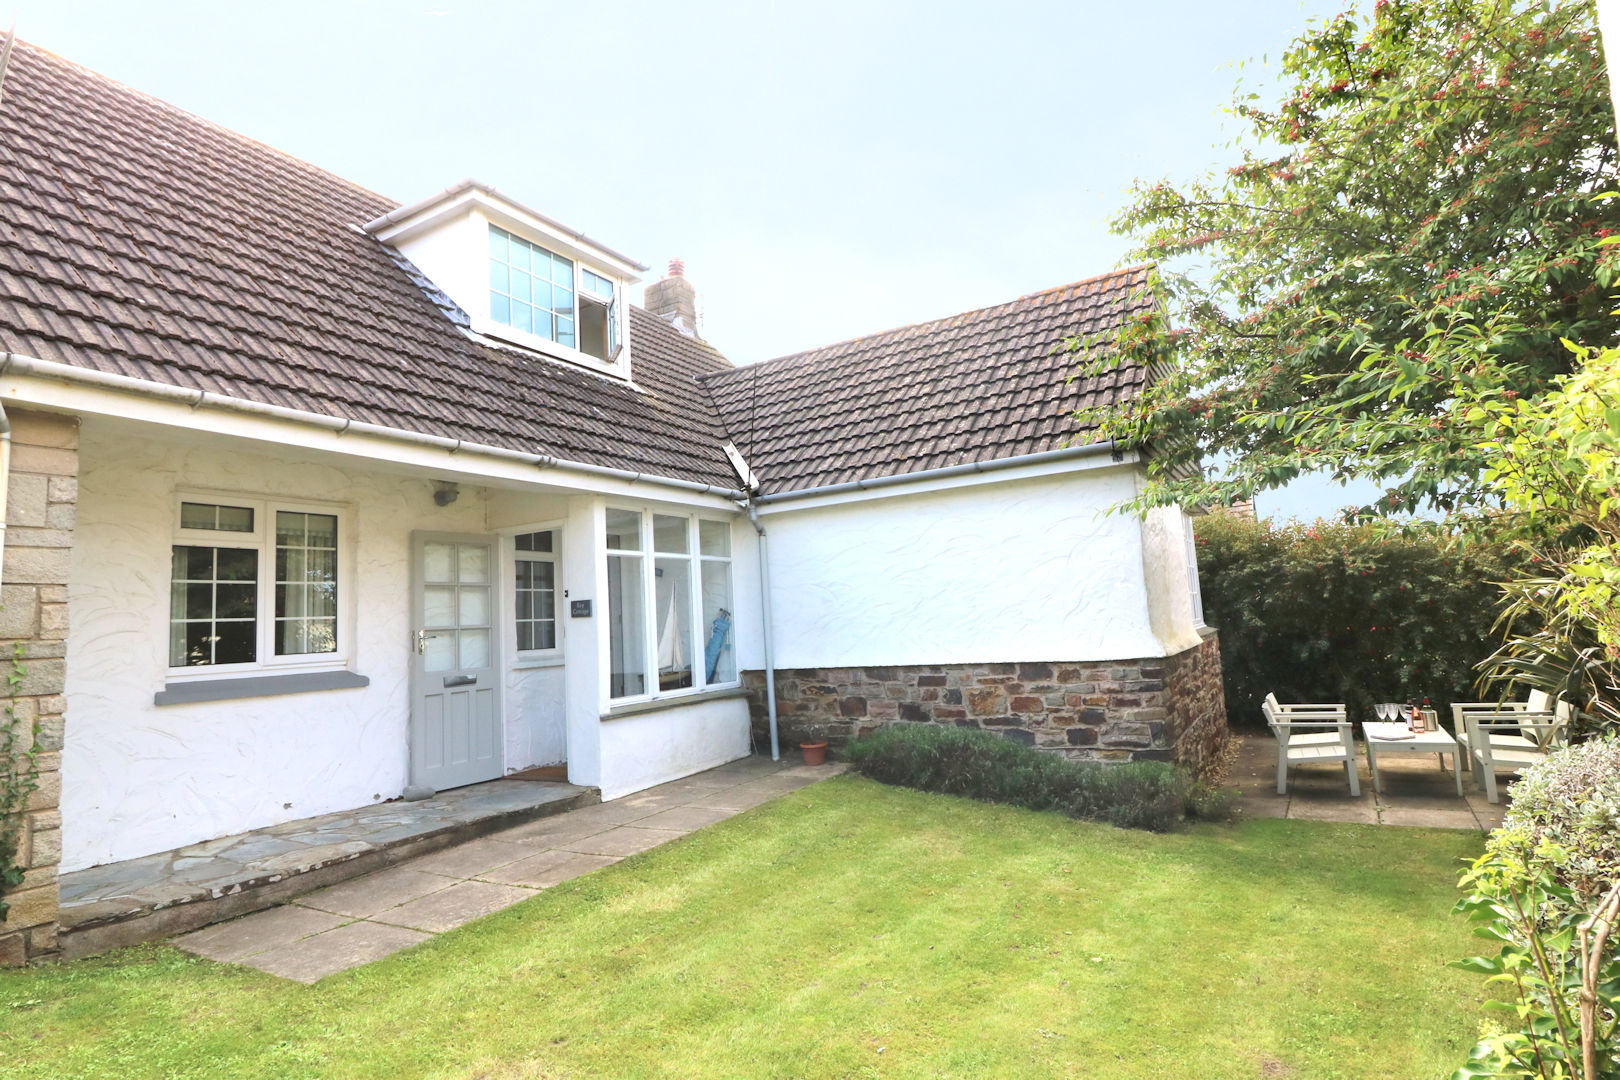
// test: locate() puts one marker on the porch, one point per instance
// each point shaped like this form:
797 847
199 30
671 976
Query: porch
124 903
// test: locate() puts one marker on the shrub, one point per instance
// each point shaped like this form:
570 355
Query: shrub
1548 890
980 765
1335 612
1566 814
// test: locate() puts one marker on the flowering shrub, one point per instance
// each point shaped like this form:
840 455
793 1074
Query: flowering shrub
1335 612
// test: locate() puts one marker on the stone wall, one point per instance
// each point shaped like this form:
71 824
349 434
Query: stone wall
40 508
1195 705
1160 709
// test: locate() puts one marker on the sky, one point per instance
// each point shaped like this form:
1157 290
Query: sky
825 170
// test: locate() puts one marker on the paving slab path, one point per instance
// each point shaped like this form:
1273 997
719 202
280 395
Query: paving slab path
367 918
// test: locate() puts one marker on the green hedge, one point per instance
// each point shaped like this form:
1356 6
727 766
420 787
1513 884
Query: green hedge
980 765
1332 612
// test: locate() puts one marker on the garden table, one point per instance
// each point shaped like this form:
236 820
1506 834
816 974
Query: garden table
1397 738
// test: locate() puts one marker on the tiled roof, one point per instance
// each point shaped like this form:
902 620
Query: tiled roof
138 239
987 384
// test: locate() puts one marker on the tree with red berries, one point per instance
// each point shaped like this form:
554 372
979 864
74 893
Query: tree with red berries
1412 226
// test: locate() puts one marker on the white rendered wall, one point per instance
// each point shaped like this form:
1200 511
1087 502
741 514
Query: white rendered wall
535 704
140 778
652 748
1025 569
1165 569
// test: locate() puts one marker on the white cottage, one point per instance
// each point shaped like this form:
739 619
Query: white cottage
317 501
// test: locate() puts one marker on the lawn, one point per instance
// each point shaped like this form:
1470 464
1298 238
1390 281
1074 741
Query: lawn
849 930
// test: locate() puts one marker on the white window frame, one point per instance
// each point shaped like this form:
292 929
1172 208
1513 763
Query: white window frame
614 306
530 657
649 604
263 540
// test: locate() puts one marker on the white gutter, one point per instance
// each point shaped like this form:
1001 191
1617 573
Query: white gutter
51 369
948 471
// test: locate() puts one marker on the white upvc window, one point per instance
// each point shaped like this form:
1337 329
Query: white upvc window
669 604
536 291
255 585
534 559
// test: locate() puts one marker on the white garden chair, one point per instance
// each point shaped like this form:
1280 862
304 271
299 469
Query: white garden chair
1311 733
1503 735
1509 740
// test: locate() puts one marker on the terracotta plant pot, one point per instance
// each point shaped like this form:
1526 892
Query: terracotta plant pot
815 753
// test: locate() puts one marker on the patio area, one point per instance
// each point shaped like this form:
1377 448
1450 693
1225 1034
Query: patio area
1417 791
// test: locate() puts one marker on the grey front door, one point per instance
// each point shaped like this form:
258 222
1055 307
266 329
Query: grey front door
455 707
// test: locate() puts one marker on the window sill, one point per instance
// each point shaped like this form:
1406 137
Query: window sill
638 708
186 693
529 663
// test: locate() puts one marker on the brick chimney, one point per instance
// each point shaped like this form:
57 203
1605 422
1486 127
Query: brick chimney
674 300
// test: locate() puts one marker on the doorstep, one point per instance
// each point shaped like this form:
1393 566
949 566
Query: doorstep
156 896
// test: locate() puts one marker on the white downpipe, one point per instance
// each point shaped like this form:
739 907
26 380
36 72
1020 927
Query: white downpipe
50 369
765 605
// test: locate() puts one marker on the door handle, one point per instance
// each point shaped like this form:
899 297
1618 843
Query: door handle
422 640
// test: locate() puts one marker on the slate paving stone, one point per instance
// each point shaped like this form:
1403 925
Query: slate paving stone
450 908
469 859
375 893
1262 807
257 932
609 814
1425 818
1490 819
745 797
551 832
549 868
1347 810
652 804
685 818
369 917
215 866
314 958
625 840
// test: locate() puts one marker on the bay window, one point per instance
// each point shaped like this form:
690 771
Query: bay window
669 599
253 584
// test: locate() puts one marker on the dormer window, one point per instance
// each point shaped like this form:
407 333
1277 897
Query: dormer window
535 291
518 277
530 289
